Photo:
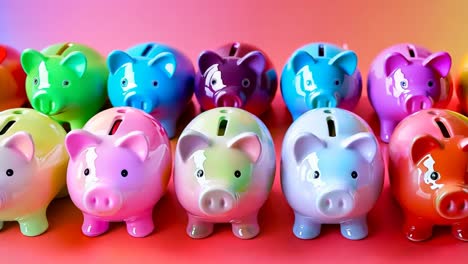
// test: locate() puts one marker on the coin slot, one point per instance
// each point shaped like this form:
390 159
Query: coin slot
7 126
331 127
321 50
147 50
64 48
234 49
115 126
222 126
442 128
411 52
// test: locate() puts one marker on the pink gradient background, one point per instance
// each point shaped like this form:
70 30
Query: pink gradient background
278 27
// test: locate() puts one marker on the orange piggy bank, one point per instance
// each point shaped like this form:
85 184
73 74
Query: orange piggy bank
428 158
12 79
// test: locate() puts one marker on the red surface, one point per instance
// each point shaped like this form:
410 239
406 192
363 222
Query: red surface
64 242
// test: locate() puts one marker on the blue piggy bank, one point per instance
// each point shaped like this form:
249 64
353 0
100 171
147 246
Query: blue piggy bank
152 77
320 75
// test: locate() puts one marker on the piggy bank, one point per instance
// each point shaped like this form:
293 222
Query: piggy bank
236 75
404 79
12 93
66 81
120 164
462 86
152 77
331 172
320 75
224 170
33 164
428 156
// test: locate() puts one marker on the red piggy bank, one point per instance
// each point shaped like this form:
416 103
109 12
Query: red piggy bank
428 158
12 79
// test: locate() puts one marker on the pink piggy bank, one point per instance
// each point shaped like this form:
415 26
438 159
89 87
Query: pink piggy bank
120 164
405 79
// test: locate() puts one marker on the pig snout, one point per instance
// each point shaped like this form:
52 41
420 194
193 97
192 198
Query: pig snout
453 203
418 102
335 203
229 98
102 201
318 100
216 202
139 102
46 105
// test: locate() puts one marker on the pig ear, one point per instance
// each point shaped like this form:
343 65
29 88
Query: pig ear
249 143
440 62
346 61
301 59
464 144
305 144
78 140
117 59
22 143
255 60
166 61
394 61
364 143
422 146
136 142
76 61
3 54
208 58
30 59
191 142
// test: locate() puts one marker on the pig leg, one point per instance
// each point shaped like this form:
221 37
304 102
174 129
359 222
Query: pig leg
354 229
141 226
35 224
247 227
198 228
170 127
93 226
417 229
78 123
304 227
1 225
460 231
386 129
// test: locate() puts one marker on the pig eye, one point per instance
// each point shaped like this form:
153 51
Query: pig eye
124 82
354 174
86 172
337 82
65 83
308 82
404 84
237 174
9 172
430 83
316 174
200 173
435 176
245 83
213 81
124 173
155 83
35 81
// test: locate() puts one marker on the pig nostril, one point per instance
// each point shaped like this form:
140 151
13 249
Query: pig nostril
222 203
106 202
341 204
93 200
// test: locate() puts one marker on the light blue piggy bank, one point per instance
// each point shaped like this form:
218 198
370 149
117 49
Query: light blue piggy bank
152 77
320 75
332 172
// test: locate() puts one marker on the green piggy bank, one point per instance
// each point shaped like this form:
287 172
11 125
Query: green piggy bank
66 81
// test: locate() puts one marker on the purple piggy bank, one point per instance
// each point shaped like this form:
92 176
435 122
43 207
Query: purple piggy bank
224 171
404 79
120 164
331 172
236 75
